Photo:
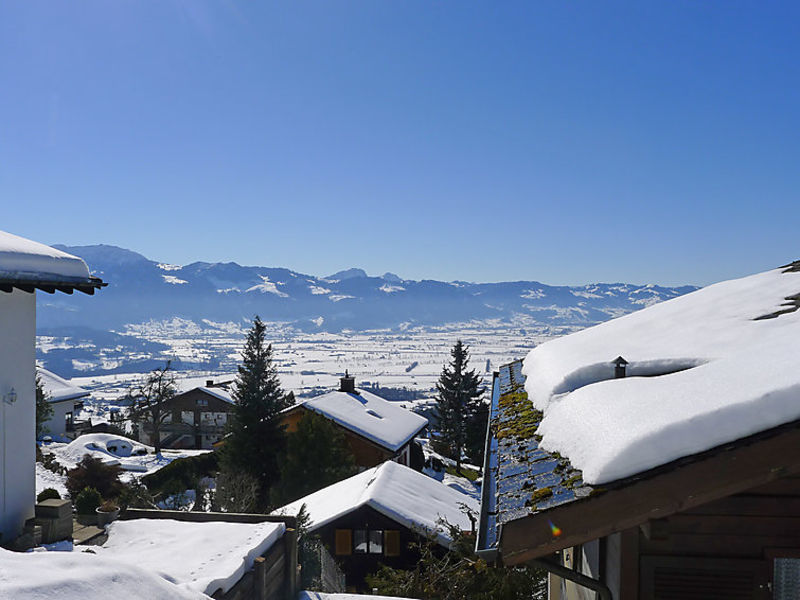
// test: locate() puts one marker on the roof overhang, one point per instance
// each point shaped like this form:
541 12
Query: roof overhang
658 493
10 282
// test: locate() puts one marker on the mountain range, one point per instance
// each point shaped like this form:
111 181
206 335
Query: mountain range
140 289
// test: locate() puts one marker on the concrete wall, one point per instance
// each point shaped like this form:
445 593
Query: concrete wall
17 421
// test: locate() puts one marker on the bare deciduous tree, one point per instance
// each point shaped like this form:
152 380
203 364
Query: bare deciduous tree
148 401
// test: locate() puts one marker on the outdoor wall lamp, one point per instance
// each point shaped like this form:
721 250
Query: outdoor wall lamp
10 397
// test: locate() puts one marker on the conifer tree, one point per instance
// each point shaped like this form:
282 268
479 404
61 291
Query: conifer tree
458 402
256 437
317 456
44 410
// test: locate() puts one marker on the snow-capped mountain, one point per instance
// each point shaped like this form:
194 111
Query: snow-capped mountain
141 289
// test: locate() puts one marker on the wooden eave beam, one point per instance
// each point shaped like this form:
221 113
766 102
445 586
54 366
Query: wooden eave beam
725 471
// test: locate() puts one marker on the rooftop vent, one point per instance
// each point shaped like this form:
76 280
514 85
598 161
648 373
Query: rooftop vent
209 383
347 383
619 367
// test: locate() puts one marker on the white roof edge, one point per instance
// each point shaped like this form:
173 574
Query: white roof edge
24 259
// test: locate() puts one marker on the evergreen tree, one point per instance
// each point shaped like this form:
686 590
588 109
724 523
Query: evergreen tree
317 456
458 402
256 438
44 410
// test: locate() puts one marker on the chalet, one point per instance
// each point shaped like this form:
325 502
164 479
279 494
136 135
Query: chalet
373 518
66 400
197 418
25 266
673 472
376 430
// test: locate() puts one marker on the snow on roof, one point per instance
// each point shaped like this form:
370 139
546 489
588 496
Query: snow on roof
198 557
366 414
703 370
21 258
59 389
81 576
220 393
398 492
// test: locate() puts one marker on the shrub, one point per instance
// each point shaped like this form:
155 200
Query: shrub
135 495
87 501
182 474
91 472
48 494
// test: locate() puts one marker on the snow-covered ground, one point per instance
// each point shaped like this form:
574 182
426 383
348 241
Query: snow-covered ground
82 576
199 557
304 595
703 370
135 459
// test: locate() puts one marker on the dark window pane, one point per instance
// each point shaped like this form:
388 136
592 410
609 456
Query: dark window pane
376 541
360 541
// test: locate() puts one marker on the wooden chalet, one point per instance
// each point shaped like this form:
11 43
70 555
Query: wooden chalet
376 430
375 517
689 454
198 418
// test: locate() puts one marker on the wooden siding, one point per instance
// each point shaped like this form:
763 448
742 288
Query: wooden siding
367 454
357 566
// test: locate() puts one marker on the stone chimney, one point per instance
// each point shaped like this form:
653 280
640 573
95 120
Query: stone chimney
347 383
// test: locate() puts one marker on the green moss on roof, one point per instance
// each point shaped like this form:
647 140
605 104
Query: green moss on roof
520 418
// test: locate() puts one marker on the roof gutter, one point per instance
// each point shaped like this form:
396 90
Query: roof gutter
603 593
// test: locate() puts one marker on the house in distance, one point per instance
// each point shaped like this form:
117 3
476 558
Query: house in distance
197 418
65 399
375 517
376 430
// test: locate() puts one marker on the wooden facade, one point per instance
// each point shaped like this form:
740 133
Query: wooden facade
197 419
711 527
364 539
366 453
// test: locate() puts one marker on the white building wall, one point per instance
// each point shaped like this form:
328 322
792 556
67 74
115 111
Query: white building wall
18 420
56 425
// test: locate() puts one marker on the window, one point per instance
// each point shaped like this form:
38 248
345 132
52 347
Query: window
202 402
368 541
360 541
376 541
344 542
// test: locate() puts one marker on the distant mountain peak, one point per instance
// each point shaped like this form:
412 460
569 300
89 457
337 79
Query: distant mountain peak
353 273
391 277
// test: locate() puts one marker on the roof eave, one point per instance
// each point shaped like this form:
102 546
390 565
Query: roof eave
50 285
658 493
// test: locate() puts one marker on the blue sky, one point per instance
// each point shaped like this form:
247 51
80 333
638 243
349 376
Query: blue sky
567 142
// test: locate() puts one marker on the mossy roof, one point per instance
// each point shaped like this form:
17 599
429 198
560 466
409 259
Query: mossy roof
521 479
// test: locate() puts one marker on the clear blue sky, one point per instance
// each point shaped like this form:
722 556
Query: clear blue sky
568 142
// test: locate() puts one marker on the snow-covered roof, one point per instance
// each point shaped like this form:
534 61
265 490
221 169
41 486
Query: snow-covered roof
82 576
198 557
370 416
59 389
28 264
704 369
398 492
217 392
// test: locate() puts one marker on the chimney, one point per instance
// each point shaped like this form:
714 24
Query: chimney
619 367
347 383
209 383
